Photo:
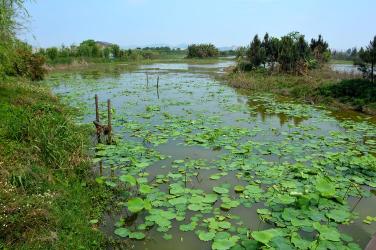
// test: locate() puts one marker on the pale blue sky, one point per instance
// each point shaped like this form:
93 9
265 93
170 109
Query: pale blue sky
344 23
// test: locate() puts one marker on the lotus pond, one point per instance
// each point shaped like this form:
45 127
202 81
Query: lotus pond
199 165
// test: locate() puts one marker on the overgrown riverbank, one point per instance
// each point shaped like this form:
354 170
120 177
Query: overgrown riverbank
320 86
48 197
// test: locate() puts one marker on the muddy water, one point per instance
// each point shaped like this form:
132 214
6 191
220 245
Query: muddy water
191 91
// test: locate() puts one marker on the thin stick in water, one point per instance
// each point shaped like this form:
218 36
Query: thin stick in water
109 114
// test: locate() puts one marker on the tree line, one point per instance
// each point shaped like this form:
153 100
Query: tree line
90 49
290 53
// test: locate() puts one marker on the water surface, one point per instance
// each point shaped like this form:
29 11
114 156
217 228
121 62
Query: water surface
202 127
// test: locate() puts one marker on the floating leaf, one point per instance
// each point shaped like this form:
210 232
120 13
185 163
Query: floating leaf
220 190
326 232
223 244
128 179
137 235
122 232
239 189
339 215
266 236
135 205
325 187
206 236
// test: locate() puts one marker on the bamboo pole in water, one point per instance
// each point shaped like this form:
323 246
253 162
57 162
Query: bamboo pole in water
109 114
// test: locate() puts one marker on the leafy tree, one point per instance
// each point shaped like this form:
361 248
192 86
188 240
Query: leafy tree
368 60
256 53
52 53
115 50
265 45
320 49
202 51
106 53
273 52
88 48
16 58
240 53
287 55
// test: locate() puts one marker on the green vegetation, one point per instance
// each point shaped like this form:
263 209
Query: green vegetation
48 198
290 53
96 51
16 57
232 172
359 93
202 51
289 66
367 60
350 55
47 194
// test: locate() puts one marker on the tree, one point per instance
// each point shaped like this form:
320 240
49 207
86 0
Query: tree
16 57
115 50
287 55
320 49
88 48
273 54
240 53
368 60
255 53
52 53
202 51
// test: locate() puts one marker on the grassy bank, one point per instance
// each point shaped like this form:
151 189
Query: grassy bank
47 194
324 86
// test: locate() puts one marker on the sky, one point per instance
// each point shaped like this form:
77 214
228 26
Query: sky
129 23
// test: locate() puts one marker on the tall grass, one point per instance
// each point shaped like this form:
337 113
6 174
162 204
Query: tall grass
47 193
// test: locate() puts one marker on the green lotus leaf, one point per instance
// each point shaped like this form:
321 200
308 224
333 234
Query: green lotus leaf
135 205
339 215
239 189
325 187
220 190
266 236
122 232
137 235
128 179
326 232
206 236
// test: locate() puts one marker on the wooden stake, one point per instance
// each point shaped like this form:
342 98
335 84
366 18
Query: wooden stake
97 117
147 79
158 87
109 114
100 168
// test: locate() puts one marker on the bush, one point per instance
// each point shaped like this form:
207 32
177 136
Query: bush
202 51
27 64
355 91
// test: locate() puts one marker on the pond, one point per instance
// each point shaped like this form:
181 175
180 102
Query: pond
199 165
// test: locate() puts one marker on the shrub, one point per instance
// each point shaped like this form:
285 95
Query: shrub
27 64
202 51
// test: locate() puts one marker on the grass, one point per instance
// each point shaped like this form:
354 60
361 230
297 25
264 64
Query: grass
317 86
47 193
